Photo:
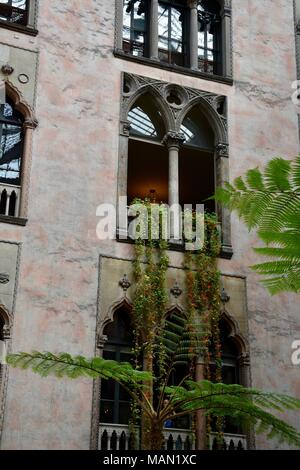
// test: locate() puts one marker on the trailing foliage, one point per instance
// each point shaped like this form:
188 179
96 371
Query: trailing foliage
270 202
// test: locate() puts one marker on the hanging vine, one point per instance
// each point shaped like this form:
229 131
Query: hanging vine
150 303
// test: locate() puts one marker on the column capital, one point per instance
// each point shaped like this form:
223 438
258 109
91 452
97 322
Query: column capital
101 340
30 123
222 150
174 139
193 4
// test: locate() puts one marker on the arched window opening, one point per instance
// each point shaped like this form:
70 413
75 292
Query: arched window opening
209 37
12 138
171 32
135 18
14 11
115 402
180 371
230 370
147 157
196 161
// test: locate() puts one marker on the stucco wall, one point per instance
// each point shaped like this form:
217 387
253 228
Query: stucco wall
74 169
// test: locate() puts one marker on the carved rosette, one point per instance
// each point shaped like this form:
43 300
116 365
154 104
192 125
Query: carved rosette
174 139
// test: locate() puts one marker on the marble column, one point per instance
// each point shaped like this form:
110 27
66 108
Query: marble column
173 141
153 30
193 34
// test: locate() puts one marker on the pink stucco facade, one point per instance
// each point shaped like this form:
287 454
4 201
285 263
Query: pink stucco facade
74 169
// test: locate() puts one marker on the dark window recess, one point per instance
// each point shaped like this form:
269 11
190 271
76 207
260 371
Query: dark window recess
171 34
134 27
115 402
230 372
14 11
11 134
209 37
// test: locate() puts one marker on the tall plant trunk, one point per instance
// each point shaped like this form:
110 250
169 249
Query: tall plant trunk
146 421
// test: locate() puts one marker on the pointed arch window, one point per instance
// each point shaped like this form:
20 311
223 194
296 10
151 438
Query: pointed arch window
115 402
11 154
16 126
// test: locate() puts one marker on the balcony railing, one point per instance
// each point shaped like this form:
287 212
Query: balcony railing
9 199
119 437
230 442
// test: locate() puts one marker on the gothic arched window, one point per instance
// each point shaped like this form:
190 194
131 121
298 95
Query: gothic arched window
147 156
11 154
115 402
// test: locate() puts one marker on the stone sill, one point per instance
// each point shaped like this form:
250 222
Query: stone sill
19 28
226 251
7 219
173 68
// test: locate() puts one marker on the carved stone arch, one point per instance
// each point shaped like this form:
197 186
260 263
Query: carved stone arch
175 306
209 107
235 334
109 317
20 104
159 101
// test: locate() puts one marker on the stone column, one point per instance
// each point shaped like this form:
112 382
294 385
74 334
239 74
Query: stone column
153 43
29 126
222 176
32 14
245 380
173 141
122 223
119 26
193 34
200 415
226 44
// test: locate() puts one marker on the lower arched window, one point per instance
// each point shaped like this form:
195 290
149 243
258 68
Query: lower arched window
115 402
11 155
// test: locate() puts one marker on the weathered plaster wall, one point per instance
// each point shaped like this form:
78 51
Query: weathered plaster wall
74 168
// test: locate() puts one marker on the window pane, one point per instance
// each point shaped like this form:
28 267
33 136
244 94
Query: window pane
10 154
134 29
107 412
124 413
176 24
107 389
163 20
14 11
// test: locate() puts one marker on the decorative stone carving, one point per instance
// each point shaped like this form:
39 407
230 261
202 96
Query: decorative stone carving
31 123
101 340
224 296
125 283
125 128
4 278
7 69
174 139
222 150
176 291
